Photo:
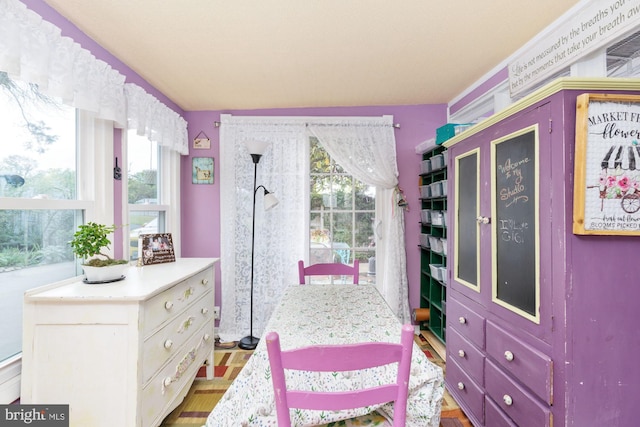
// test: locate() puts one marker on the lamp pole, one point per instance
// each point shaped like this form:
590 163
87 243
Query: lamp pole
250 342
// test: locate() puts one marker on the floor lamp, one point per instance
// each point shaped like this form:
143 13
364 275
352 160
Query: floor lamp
256 149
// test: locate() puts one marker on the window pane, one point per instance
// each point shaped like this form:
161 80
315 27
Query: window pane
143 170
33 252
37 152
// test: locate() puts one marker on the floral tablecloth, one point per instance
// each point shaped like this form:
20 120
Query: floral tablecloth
328 314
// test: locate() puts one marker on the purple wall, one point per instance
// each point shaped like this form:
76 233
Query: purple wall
201 203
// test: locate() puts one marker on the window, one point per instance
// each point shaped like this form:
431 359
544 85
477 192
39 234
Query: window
342 214
142 190
39 206
152 174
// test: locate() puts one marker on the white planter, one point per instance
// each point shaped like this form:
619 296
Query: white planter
111 273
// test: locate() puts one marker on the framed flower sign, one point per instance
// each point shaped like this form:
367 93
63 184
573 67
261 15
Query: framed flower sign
607 165
202 172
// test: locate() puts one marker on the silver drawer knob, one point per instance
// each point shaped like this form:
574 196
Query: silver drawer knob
205 281
207 337
462 320
461 353
507 400
167 381
168 305
460 386
508 355
204 310
168 344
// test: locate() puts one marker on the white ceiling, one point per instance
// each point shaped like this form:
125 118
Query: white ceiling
248 54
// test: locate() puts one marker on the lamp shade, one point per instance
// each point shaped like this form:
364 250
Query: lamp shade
270 200
256 147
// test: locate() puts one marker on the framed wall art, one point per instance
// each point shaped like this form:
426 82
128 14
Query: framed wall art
156 248
607 165
202 172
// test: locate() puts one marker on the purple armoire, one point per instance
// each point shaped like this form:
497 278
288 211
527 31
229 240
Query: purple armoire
541 321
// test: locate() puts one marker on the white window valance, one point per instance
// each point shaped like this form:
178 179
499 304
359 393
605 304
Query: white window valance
34 51
150 117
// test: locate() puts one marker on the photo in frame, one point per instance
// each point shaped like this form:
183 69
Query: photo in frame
156 248
607 165
202 172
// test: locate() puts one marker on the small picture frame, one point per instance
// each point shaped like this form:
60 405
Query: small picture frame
201 141
156 248
202 170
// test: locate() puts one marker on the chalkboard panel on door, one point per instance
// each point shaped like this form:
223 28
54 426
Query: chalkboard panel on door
515 222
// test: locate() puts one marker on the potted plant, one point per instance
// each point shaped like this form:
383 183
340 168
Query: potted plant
90 240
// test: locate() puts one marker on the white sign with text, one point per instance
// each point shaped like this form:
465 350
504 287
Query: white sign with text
596 24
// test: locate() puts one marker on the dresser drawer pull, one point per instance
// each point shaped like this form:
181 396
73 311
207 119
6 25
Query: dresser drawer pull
461 353
204 281
207 337
204 310
460 386
462 320
507 400
168 344
168 305
167 381
508 355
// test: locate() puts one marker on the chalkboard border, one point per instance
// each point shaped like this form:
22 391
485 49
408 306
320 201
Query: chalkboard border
474 287
494 229
583 102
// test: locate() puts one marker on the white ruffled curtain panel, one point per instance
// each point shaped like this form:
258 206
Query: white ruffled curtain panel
367 150
34 51
363 147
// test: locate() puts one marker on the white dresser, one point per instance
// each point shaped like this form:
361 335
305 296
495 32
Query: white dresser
120 354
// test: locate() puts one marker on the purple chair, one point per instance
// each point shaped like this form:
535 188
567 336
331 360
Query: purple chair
338 358
329 269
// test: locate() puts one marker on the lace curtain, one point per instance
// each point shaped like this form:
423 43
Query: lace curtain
363 147
366 148
34 51
279 232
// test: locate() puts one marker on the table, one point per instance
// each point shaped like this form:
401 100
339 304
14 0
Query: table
328 314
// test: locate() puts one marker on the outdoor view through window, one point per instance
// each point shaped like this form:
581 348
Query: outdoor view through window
342 216
37 196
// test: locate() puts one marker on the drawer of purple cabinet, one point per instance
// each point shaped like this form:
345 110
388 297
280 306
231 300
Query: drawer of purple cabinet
466 355
463 388
466 321
518 404
530 366
494 416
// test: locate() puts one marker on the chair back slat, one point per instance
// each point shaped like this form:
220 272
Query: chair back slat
341 358
329 269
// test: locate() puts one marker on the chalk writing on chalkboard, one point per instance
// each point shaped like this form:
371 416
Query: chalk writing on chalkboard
514 221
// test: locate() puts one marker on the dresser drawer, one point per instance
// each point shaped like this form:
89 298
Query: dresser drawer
493 415
466 355
528 365
164 306
158 397
466 321
163 344
464 388
517 403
